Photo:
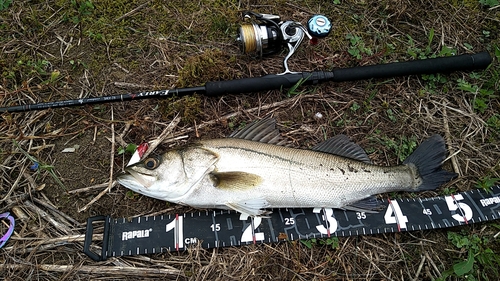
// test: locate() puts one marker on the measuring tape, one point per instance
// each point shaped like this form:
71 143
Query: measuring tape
223 228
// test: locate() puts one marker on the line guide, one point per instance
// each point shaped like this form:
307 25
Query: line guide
223 228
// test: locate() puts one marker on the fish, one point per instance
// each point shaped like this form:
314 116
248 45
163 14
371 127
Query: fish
251 172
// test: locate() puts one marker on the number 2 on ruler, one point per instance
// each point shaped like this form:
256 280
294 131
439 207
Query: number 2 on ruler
249 232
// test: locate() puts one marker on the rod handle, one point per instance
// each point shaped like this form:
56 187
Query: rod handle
425 66
265 83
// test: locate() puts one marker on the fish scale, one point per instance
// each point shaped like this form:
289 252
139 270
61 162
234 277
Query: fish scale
225 228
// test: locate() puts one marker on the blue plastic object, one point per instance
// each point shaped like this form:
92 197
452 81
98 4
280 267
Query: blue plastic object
319 26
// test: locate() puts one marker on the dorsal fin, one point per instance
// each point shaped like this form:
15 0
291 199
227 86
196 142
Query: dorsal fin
261 131
341 145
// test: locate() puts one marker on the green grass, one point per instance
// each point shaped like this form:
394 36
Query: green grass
332 242
357 47
482 96
403 146
4 4
38 165
130 149
487 182
478 262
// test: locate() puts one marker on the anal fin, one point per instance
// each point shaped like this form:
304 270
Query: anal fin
367 205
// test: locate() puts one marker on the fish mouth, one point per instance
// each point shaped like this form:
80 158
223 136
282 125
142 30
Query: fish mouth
134 179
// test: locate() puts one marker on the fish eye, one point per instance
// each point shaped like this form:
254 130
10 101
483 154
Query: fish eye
151 163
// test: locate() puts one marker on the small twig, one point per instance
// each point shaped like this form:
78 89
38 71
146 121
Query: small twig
375 265
48 243
288 102
160 212
112 156
12 202
419 268
101 194
122 68
132 11
196 130
47 217
14 185
19 213
55 210
432 264
122 270
31 182
112 162
126 85
90 188
493 8
41 147
120 136
95 135
166 132
453 158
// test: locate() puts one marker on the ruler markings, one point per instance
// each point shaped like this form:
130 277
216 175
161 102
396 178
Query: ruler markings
142 233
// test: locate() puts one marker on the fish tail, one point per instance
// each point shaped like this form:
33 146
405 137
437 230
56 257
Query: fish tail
428 158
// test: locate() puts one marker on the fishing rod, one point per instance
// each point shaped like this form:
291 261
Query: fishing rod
266 35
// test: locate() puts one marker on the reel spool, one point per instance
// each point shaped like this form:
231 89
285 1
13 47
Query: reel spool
262 35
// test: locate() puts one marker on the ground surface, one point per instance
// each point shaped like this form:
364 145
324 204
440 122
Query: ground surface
75 49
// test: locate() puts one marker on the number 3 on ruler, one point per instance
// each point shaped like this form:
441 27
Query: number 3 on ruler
328 216
394 215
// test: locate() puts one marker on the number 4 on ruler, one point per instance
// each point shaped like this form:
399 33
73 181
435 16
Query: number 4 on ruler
394 215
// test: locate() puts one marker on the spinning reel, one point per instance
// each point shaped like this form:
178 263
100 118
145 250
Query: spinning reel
266 34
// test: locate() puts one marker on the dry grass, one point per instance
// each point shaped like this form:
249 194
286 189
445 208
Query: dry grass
56 51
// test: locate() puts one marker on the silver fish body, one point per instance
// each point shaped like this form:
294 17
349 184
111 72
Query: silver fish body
250 176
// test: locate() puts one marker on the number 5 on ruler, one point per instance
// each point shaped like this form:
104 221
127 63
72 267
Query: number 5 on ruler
453 205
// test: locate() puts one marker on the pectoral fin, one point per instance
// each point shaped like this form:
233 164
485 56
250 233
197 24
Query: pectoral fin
252 207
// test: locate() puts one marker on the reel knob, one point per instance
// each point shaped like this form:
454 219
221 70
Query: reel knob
319 26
